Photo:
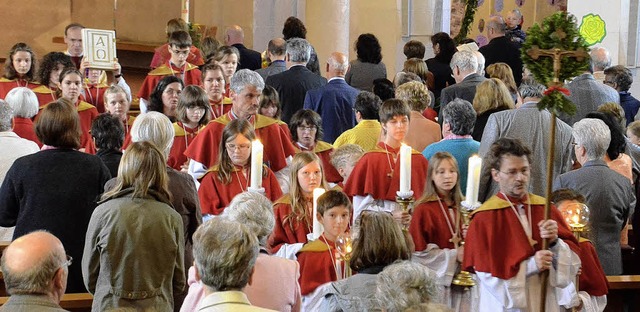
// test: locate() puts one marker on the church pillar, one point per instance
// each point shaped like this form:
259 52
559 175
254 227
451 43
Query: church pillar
327 25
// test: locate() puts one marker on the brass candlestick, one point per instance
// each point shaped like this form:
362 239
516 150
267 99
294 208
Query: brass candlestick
577 216
405 200
464 278
344 246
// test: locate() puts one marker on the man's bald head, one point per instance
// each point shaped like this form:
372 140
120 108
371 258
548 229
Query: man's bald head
337 64
496 27
30 265
600 59
277 48
234 35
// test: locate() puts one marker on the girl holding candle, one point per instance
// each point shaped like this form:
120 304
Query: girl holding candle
376 178
294 210
231 174
193 113
436 226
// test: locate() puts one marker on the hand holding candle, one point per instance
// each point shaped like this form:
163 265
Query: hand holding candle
473 179
405 168
257 151
317 226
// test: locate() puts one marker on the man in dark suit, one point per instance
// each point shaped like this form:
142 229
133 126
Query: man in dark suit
464 65
292 84
501 49
334 101
275 51
249 59
609 195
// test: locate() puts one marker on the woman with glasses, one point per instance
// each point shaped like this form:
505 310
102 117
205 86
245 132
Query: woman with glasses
193 114
294 210
134 247
306 131
165 96
231 174
376 177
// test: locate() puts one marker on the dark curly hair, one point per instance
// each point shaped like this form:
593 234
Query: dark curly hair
383 88
368 49
294 28
49 63
310 117
618 143
447 47
155 99
10 72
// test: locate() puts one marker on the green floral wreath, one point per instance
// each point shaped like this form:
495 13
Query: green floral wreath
467 20
557 31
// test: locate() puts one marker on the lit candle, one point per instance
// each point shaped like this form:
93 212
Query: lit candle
405 168
185 10
317 226
473 179
257 151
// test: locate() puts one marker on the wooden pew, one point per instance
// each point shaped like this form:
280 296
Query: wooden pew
623 288
72 302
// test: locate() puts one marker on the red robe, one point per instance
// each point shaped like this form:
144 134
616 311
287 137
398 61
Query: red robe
220 108
7 84
45 95
494 227
161 56
183 137
372 174
324 150
317 264
285 128
277 147
127 132
94 95
215 196
23 127
592 280
190 76
287 229
429 226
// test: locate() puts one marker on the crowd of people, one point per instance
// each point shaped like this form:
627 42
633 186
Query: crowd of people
207 200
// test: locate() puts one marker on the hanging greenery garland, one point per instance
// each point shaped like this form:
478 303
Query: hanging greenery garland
471 6
558 31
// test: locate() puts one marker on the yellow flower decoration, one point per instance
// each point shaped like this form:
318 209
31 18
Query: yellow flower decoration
593 29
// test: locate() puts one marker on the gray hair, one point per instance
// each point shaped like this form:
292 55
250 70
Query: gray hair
23 102
299 50
346 154
34 280
255 211
404 77
404 284
530 88
465 60
517 13
460 116
225 252
338 66
481 61
153 127
246 77
497 23
600 58
594 135
5 116
621 76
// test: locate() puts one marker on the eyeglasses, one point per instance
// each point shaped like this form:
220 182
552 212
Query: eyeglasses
240 147
514 173
68 262
609 82
310 129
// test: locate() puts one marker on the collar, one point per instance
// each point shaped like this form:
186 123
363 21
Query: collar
300 66
530 104
455 136
278 62
9 134
223 297
368 123
336 78
388 148
513 200
233 116
593 163
467 76
372 270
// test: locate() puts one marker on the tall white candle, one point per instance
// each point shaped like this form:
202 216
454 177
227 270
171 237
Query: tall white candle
405 168
185 10
257 151
317 226
473 179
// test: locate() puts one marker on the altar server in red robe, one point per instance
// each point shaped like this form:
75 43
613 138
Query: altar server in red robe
193 114
436 229
214 85
293 211
344 159
49 71
376 177
232 173
319 260
19 69
118 104
70 86
246 86
503 243
228 58
179 46
593 284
